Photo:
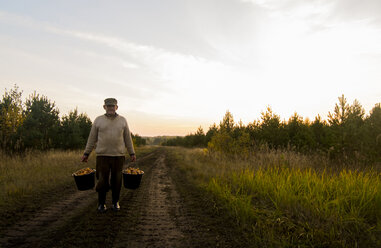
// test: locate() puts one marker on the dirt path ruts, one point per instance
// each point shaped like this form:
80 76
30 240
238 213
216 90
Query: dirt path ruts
154 215
156 225
29 232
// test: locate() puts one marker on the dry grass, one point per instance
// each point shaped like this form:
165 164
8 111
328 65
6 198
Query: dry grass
35 172
25 175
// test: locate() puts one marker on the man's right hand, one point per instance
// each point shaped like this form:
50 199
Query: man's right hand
85 158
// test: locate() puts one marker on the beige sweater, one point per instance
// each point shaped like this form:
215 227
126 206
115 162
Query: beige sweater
111 136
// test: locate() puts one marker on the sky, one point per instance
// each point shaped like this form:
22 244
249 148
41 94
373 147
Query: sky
175 65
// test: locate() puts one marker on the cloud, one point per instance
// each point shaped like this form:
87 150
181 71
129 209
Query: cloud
169 77
297 8
182 76
324 11
157 58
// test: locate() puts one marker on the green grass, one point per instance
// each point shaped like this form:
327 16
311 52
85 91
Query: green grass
288 200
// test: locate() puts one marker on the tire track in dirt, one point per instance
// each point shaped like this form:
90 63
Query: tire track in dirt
154 210
28 233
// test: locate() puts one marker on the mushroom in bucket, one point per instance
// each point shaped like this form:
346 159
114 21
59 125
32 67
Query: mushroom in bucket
84 178
132 177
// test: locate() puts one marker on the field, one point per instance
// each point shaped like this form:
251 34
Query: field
193 198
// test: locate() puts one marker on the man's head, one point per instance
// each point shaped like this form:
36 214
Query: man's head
111 105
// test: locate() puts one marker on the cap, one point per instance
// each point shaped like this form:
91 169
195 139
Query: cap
111 101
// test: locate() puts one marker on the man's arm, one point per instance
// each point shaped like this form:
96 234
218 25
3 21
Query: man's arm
128 142
93 137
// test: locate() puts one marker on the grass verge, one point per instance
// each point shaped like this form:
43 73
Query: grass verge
279 202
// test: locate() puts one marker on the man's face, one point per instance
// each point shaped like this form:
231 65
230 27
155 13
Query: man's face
110 109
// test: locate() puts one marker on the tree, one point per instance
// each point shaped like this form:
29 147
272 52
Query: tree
211 132
199 138
322 137
337 120
227 123
222 139
340 113
41 124
271 130
299 133
138 140
372 133
11 119
74 130
222 142
354 128
346 125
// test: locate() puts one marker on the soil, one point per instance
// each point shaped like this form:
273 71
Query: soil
162 212
28 233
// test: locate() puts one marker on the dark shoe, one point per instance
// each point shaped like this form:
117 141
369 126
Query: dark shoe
115 206
102 208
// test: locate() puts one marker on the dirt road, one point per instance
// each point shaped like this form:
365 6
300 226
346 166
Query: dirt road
154 215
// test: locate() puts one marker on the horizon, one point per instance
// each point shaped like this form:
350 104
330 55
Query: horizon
176 65
207 126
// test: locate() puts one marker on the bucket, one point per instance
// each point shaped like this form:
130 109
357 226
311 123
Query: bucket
132 181
85 182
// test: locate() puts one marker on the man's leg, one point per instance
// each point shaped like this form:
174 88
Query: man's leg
102 174
116 177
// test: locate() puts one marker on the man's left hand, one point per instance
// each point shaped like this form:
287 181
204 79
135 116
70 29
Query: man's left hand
133 158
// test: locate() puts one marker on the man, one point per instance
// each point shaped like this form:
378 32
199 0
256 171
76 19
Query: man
111 136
